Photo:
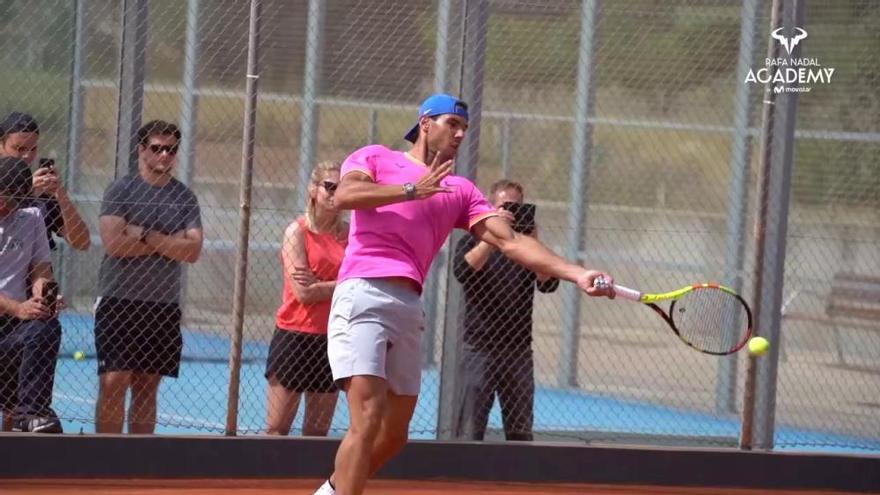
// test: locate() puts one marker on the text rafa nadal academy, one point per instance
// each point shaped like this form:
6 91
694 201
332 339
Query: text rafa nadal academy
791 71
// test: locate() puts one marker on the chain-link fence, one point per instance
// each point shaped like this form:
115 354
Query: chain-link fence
634 127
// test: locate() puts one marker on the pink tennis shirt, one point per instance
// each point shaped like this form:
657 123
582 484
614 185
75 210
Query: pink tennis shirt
401 239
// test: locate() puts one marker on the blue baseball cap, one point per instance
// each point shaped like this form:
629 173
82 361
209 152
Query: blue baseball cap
437 104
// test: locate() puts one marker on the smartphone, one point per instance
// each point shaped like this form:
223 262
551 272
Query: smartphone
47 163
50 295
523 216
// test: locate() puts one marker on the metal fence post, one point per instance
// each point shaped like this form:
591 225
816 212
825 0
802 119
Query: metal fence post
189 115
432 284
582 147
734 259
475 26
130 106
309 120
77 95
774 191
505 147
373 127
190 101
74 138
241 266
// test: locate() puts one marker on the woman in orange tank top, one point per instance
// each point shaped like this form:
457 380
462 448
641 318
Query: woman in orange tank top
311 254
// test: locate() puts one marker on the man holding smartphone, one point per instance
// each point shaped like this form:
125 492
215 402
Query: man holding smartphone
497 351
19 138
30 335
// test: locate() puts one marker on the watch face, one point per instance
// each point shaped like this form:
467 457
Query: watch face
410 190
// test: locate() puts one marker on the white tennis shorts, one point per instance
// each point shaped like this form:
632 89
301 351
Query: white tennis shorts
375 329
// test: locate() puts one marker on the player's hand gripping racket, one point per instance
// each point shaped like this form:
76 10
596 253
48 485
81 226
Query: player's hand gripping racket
710 318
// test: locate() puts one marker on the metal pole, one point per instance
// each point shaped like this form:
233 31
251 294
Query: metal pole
130 107
505 147
74 133
734 259
437 270
774 191
441 52
189 115
475 28
373 129
768 110
774 272
311 91
580 173
247 164
189 104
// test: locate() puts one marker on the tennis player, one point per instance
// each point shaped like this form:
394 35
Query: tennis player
405 205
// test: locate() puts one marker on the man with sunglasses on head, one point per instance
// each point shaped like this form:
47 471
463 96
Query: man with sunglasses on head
19 138
404 205
150 224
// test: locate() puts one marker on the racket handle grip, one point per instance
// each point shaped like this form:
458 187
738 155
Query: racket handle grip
627 293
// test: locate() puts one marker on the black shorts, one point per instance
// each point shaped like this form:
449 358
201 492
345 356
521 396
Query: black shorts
139 336
299 361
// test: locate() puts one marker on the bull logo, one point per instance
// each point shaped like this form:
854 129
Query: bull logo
789 43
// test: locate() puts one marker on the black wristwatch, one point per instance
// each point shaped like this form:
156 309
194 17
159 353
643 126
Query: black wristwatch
410 190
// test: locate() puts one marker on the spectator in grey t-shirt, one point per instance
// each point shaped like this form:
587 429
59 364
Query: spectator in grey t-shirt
150 224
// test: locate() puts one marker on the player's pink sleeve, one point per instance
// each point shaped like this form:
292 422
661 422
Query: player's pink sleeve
362 161
477 207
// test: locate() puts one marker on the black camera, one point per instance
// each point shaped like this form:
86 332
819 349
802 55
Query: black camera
47 163
523 216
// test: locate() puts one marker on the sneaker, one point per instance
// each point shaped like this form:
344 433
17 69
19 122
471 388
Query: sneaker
37 424
326 489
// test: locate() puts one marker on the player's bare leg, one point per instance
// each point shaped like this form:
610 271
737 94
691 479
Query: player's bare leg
394 431
368 404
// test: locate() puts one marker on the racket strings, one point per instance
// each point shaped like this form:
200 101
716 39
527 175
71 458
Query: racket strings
711 320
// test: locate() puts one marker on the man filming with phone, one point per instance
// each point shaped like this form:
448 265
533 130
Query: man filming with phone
30 334
19 138
497 350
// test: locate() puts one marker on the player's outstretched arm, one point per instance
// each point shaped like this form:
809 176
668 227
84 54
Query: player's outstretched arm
530 253
357 190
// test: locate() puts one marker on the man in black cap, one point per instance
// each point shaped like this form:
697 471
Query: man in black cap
30 334
19 138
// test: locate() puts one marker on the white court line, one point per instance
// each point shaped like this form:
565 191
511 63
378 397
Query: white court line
196 422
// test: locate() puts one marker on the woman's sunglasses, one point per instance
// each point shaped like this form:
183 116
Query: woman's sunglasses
329 186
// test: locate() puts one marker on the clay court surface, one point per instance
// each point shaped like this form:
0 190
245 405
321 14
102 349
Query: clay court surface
307 487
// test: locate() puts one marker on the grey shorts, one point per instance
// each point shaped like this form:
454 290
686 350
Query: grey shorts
375 329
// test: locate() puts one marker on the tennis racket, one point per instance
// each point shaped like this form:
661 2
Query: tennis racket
710 318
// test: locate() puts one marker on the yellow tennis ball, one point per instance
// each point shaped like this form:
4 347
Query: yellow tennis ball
79 355
758 346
